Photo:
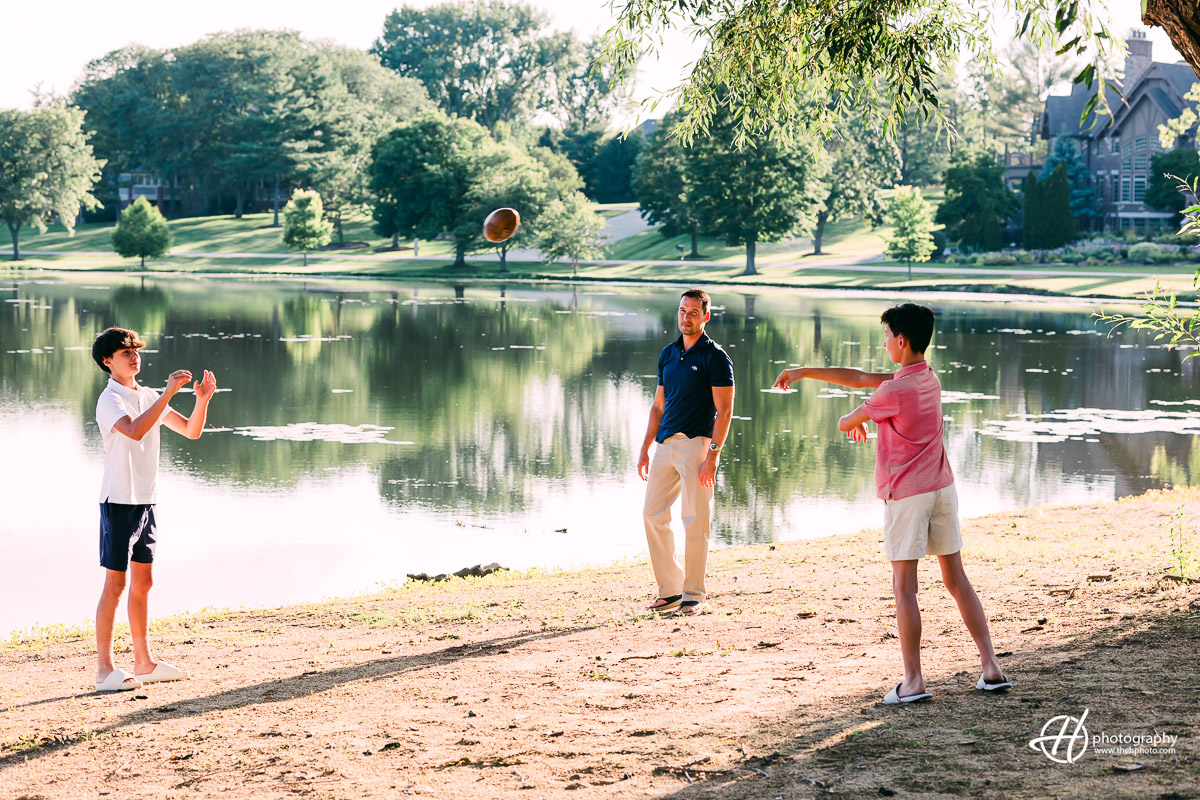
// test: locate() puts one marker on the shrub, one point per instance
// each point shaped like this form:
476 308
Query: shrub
1024 257
1092 261
1069 255
1145 253
1130 237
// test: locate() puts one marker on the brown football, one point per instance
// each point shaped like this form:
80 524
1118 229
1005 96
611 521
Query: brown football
501 224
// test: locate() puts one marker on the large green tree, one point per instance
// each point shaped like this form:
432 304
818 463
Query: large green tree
764 192
363 102
142 232
507 176
1163 192
664 188
489 61
882 58
243 114
1084 201
47 169
864 163
975 194
421 173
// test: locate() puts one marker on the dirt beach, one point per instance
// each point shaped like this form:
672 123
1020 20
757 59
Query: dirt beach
548 684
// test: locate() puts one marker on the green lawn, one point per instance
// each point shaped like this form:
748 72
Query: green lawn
787 263
849 239
251 234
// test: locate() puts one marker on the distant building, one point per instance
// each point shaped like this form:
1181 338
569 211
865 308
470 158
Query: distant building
1117 149
152 186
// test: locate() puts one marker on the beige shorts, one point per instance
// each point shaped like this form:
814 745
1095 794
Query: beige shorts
922 525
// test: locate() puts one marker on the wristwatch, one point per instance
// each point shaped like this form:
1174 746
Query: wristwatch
714 446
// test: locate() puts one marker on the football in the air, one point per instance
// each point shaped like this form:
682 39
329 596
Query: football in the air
501 224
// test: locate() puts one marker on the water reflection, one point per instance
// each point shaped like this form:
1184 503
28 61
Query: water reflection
447 424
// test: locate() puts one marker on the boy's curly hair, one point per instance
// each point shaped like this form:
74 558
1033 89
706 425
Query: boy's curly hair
112 340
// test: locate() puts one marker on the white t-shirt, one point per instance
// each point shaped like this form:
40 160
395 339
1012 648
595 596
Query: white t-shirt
130 468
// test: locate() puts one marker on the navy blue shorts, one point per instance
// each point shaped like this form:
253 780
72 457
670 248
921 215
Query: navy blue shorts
127 533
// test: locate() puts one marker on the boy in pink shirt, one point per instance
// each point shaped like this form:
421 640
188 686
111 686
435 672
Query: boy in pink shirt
913 478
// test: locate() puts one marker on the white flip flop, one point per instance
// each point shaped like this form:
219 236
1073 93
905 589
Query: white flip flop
993 686
893 697
162 673
115 681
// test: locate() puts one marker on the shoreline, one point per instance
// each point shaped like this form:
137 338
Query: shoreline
981 292
553 681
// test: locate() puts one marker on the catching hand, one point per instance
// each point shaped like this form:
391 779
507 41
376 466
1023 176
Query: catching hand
206 388
857 433
177 380
643 466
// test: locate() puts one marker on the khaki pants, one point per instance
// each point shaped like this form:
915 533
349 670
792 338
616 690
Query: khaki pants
675 470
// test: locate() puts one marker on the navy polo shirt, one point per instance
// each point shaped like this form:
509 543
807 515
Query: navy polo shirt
687 378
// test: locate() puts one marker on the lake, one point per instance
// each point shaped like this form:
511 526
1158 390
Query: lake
369 429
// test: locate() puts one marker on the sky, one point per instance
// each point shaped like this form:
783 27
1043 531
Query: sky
36 50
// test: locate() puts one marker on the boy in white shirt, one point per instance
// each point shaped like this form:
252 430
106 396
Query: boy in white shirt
129 416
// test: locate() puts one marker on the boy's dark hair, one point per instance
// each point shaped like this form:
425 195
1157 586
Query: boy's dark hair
913 322
697 294
112 340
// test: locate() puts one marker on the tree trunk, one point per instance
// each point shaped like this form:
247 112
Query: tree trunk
396 242
275 224
238 193
751 245
504 259
143 262
695 244
910 269
574 267
1181 20
337 225
14 230
819 233
306 258
460 256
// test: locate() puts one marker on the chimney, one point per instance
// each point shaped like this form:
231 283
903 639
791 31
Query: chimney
1139 58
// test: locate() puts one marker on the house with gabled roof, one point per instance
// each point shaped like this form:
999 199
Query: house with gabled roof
1117 148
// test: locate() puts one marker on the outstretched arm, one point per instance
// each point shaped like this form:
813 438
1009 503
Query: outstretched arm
193 426
842 376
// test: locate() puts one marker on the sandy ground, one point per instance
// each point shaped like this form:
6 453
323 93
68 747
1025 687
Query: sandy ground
554 684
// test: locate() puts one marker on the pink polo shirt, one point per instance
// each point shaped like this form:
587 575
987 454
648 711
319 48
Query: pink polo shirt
909 456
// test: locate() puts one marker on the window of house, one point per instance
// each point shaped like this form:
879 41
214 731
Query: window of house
1139 225
1139 189
1139 144
1141 162
1116 145
1126 192
1127 149
1127 164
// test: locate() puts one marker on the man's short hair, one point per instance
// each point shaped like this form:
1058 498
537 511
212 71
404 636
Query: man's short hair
698 294
112 340
913 322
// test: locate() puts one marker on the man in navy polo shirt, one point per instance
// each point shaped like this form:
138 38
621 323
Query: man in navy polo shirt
689 420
